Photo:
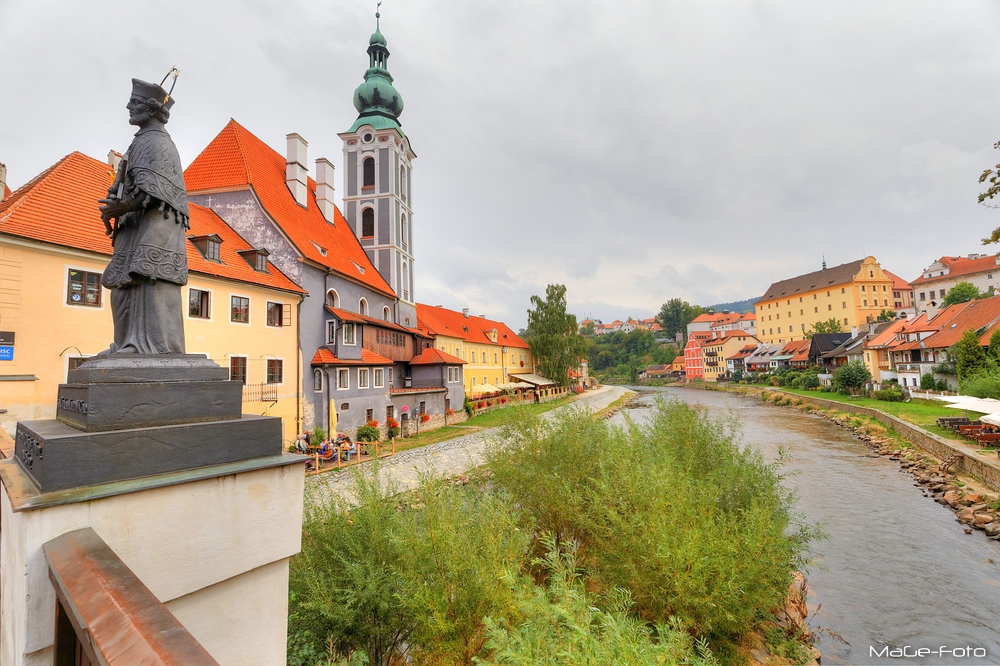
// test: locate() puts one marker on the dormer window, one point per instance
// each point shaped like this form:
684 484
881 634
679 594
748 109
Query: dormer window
208 246
256 258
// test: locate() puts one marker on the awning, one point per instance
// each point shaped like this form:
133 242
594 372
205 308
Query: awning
480 389
782 357
535 380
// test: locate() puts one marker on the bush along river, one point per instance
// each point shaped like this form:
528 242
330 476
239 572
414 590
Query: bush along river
899 578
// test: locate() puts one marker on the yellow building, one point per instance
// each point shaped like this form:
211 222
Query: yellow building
853 294
491 350
241 310
715 351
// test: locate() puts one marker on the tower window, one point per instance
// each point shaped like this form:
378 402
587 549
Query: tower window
368 223
368 177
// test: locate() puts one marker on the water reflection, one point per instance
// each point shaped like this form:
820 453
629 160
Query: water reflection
897 569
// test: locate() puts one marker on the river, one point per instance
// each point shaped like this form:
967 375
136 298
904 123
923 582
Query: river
896 568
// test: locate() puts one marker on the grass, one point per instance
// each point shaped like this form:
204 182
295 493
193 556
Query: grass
918 412
498 417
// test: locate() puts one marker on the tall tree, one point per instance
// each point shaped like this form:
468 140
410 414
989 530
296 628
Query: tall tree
970 357
962 292
553 335
831 325
676 314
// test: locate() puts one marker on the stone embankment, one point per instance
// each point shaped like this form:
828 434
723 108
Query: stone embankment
791 620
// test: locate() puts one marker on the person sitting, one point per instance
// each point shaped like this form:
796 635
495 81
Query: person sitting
301 445
348 447
327 451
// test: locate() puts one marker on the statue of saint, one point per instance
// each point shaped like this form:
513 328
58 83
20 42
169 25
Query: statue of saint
148 203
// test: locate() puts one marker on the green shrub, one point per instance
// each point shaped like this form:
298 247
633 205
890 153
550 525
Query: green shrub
367 433
675 512
890 394
983 384
928 382
810 381
317 436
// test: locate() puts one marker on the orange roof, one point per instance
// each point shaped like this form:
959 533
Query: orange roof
980 313
326 357
345 315
959 266
887 337
59 206
431 356
236 159
898 283
442 321
6 191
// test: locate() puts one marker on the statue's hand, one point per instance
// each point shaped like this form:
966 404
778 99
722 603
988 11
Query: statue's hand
113 208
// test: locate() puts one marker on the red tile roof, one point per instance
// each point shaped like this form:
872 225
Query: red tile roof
345 315
442 321
59 206
431 356
236 159
980 313
324 356
898 283
959 266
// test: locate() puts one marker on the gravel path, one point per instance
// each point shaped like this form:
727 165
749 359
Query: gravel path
447 458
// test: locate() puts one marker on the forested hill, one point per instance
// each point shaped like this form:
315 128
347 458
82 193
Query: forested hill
745 305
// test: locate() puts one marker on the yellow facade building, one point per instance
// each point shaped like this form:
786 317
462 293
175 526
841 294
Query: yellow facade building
715 351
853 294
491 350
240 310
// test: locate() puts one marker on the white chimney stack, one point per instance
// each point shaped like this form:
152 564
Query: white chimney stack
3 180
296 170
114 159
465 311
324 188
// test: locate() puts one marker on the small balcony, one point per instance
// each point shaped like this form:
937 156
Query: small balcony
260 393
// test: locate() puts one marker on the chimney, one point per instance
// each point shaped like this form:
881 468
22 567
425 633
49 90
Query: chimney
3 180
324 188
465 312
114 159
295 168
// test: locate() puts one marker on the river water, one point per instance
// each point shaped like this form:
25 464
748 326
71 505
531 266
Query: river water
896 568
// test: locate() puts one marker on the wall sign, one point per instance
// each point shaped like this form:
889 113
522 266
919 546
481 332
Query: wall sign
6 353
6 337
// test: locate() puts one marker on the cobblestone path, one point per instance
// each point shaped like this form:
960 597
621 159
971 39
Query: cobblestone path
447 458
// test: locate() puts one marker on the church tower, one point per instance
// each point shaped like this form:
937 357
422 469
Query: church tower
378 167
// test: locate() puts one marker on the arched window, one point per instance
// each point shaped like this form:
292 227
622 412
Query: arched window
386 313
405 233
332 299
406 282
317 380
363 307
368 222
368 179
402 182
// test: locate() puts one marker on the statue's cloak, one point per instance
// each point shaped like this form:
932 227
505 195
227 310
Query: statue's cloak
151 243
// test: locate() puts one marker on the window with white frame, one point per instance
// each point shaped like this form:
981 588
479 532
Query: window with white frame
348 329
198 304
362 377
363 307
343 379
332 299
379 377
317 380
390 376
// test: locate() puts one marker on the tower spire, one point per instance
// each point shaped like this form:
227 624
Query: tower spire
824 261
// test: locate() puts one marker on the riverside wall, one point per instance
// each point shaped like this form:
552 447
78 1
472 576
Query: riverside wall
985 470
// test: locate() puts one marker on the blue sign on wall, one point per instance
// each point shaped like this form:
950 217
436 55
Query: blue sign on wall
6 353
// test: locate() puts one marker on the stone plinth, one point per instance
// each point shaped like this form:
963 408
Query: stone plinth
57 456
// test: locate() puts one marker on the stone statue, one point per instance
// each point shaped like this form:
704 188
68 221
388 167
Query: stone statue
148 205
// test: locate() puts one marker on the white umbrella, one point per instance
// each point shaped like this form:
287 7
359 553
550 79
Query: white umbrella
992 419
981 405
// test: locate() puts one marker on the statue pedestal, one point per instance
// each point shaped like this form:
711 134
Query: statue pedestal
197 500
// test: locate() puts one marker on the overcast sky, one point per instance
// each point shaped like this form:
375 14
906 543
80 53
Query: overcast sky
634 150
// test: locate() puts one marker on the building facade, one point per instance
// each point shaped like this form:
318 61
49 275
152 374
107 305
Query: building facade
981 270
853 294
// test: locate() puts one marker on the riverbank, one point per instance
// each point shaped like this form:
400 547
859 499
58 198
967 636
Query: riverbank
935 464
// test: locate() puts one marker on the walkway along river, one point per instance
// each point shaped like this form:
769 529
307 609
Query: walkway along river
897 570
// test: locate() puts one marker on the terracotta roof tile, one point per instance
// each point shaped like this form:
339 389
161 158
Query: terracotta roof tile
237 159
59 206
442 321
431 356
346 315
959 266
828 277
978 314
324 356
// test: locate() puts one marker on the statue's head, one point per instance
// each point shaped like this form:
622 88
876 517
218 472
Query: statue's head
148 102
